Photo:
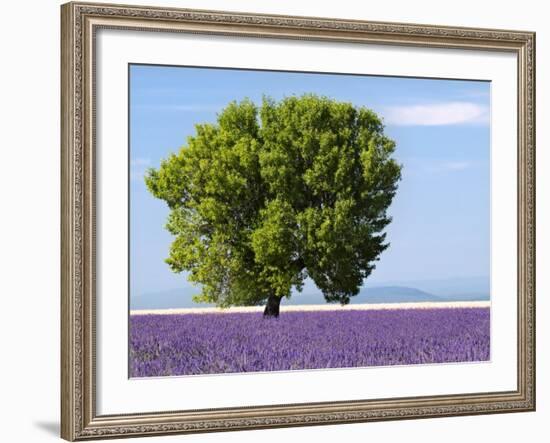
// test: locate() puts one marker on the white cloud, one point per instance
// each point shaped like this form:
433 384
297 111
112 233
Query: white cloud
455 166
419 167
438 114
138 166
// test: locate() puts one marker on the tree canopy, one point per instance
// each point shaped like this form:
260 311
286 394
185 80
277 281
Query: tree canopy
272 194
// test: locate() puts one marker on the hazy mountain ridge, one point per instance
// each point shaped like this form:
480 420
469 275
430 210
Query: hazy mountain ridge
476 289
379 294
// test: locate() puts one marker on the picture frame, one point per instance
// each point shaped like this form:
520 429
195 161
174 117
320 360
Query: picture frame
80 23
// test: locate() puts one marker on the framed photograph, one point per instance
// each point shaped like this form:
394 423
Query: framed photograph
277 221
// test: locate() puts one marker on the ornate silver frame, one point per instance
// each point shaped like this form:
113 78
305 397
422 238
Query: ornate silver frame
79 22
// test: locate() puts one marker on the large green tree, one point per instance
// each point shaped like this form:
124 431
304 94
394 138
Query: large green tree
269 195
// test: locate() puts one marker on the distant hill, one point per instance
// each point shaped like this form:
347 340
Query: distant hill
458 288
381 294
181 298
455 289
176 298
394 294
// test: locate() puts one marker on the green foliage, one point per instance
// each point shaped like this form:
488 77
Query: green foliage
270 195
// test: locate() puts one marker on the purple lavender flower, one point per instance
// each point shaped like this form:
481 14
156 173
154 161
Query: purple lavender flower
186 344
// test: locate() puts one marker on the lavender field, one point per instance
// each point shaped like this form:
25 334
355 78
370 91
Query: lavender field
185 344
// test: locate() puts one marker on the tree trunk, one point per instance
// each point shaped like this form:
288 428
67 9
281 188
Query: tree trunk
272 306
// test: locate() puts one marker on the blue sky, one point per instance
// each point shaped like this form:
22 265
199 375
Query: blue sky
441 214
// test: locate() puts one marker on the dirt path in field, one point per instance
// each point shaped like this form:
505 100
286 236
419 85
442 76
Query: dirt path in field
359 307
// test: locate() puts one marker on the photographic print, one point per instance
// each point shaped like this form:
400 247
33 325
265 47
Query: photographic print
341 211
296 221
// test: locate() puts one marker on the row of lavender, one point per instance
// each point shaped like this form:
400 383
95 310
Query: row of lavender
162 345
